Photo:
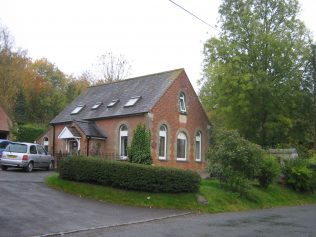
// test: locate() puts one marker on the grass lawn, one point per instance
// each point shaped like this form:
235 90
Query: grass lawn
220 200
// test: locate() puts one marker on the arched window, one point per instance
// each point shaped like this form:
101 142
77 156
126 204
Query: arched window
123 141
182 103
163 142
198 146
182 146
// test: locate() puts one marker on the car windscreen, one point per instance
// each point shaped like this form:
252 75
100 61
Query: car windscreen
18 148
3 144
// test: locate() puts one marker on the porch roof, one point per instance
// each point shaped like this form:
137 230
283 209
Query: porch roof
68 133
90 129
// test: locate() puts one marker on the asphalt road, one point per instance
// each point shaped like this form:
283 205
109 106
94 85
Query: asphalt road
277 222
29 208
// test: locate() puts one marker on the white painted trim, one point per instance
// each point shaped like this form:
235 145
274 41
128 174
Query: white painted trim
163 133
182 136
198 138
66 134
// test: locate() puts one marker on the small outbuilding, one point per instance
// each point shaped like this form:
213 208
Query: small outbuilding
5 124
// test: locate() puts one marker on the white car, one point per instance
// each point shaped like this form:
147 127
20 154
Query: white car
26 156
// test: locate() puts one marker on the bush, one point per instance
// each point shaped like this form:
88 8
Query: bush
299 176
129 176
234 160
139 151
269 171
28 132
312 163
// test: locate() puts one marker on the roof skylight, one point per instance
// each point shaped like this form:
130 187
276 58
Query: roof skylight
112 103
77 109
96 105
132 101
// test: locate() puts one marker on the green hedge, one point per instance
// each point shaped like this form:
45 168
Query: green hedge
129 176
28 132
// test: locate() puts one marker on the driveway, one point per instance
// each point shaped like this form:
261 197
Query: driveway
29 208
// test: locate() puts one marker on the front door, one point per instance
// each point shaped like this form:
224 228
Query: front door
73 147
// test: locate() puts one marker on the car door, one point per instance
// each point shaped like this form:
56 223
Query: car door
44 158
34 156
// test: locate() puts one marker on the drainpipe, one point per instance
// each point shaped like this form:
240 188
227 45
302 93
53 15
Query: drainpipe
54 140
88 144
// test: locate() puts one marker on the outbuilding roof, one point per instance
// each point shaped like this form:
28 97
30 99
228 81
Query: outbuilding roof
5 121
132 96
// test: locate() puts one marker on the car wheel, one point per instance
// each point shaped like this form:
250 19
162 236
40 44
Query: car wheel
29 167
4 167
51 166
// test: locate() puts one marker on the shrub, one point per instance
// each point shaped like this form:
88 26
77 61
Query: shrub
312 163
139 151
269 171
234 160
129 176
299 176
28 132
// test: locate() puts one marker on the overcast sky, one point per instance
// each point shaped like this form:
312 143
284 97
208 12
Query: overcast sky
154 35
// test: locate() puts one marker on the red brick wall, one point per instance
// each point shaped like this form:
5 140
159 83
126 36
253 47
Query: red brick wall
111 127
49 135
166 111
59 145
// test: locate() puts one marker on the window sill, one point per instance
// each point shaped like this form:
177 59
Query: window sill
184 161
163 159
198 161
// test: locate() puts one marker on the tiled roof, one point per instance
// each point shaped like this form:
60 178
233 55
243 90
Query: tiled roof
5 121
149 88
90 129
74 131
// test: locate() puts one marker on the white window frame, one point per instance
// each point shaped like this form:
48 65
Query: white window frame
132 101
163 133
113 103
96 105
182 103
77 109
123 133
198 139
182 136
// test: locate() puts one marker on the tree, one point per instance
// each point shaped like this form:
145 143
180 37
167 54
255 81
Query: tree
76 85
257 73
46 91
13 69
113 68
21 108
139 151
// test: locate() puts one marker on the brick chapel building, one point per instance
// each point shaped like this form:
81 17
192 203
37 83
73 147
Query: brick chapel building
101 121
